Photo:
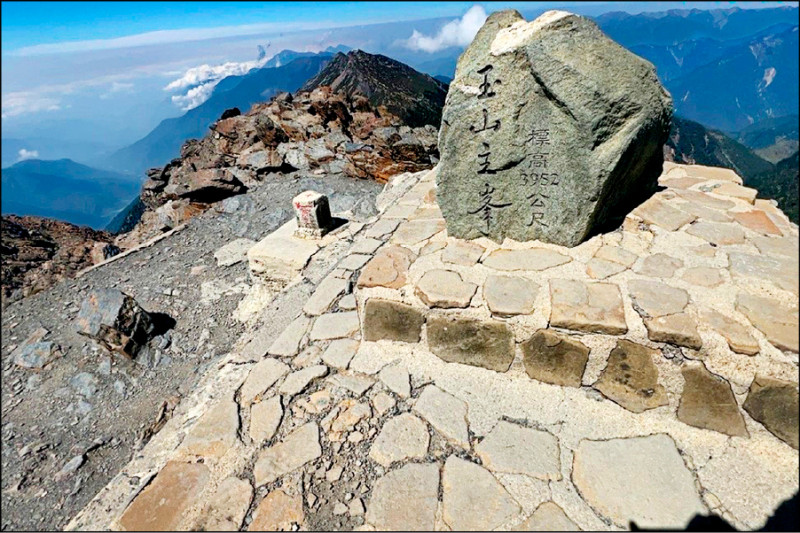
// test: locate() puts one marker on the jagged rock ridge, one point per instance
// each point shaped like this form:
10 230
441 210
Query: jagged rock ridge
415 97
38 252
318 132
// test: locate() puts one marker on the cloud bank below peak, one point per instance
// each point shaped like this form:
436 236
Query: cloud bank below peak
201 80
458 32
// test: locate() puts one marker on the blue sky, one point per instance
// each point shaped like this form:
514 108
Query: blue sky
31 23
110 71
27 24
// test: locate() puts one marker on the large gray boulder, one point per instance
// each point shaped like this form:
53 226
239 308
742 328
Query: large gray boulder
116 321
550 131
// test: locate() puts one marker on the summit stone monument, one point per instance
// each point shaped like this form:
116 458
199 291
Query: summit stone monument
550 131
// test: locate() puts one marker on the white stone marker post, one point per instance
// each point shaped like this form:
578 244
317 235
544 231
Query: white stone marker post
313 214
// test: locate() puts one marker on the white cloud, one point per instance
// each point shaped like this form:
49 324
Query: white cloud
176 36
458 32
195 96
203 73
115 88
27 154
23 102
202 79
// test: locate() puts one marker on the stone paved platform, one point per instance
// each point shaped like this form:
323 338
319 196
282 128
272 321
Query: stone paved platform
647 375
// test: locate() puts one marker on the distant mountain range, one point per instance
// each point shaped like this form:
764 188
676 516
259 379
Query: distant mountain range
773 139
66 190
415 97
291 70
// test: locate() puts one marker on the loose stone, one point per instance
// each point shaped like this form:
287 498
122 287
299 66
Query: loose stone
515 449
631 378
507 296
465 485
402 437
233 252
554 358
488 344
115 320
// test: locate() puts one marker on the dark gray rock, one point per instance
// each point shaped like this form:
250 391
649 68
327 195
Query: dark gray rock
394 321
774 403
555 358
550 131
485 343
116 321
35 355
708 402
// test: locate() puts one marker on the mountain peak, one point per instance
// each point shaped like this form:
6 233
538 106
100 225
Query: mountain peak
415 97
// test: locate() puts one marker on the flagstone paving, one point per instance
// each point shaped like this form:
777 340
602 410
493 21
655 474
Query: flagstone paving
644 376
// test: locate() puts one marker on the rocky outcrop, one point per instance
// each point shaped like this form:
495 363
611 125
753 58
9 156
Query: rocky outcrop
38 252
319 132
116 321
415 97
551 131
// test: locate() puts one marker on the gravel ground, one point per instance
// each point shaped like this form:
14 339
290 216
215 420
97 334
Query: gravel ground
66 437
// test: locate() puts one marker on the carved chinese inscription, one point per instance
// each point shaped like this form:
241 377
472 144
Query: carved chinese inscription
541 141
487 202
